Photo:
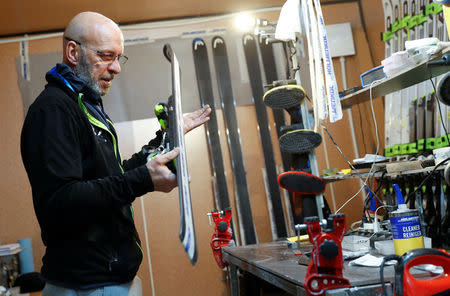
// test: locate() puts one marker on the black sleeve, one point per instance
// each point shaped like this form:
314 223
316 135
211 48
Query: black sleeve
136 160
52 152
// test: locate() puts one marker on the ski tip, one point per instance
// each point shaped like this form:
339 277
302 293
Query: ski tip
194 258
197 42
217 40
167 50
247 37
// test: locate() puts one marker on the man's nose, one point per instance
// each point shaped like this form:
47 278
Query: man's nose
115 67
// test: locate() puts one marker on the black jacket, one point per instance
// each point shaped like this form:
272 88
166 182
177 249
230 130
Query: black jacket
82 192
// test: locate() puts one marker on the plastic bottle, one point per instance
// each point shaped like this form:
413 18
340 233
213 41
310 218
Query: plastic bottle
406 228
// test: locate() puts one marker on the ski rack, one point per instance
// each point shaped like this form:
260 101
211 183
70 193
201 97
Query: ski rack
308 125
305 118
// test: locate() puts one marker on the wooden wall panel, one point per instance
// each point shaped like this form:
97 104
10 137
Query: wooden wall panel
17 219
254 162
374 18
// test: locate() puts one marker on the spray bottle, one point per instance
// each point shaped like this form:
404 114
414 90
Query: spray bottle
406 228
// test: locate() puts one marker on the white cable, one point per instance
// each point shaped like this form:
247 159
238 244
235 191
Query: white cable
350 199
375 219
147 246
376 153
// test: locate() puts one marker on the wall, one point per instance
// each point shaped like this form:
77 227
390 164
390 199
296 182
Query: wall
172 273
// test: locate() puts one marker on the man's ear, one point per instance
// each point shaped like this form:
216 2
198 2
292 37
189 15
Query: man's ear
72 52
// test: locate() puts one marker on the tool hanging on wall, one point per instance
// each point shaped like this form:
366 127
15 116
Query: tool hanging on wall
287 95
301 182
284 96
222 234
266 46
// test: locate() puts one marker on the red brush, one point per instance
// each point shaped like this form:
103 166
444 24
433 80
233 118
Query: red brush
301 182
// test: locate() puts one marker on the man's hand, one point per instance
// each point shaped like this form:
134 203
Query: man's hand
196 118
163 179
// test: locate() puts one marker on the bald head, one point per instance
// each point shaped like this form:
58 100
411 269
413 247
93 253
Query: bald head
90 40
87 26
93 30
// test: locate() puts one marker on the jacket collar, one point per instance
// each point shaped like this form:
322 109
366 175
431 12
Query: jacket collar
64 75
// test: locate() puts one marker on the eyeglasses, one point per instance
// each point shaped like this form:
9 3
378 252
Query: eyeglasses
107 57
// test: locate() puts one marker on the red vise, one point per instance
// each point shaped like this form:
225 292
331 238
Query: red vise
325 269
222 234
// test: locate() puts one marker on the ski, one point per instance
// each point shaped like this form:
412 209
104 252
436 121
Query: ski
254 73
271 76
246 226
202 71
206 97
269 65
176 133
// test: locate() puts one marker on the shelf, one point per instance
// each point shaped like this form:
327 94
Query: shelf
402 80
378 174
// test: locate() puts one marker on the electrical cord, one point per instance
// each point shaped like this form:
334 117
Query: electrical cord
439 106
353 168
376 152
366 208
386 259
375 222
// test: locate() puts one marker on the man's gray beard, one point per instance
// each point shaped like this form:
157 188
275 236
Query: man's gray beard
83 71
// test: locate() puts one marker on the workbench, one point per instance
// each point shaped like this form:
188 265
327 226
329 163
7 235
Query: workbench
276 264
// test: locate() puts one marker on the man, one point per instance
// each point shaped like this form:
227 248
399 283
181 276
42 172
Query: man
82 191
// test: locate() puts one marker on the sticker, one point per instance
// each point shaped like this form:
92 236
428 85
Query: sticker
205 32
334 103
138 40
24 60
406 227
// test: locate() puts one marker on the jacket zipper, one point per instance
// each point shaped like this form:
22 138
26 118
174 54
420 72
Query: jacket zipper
94 121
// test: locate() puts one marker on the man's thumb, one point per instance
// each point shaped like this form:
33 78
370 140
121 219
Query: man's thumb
167 157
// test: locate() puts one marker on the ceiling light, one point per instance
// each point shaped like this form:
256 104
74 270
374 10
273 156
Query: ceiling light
244 22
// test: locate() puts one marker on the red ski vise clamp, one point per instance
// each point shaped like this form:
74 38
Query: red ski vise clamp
325 269
222 234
